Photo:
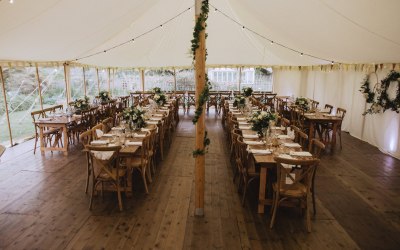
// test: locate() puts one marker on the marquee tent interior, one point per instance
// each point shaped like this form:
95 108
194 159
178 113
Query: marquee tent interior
357 37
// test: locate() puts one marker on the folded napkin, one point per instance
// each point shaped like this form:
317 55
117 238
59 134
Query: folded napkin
244 127
133 143
108 135
253 142
76 116
241 118
286 156
152 122
99 142
103 155
145 129
159 115
292 145
139 135
44 119
165 108
301 153
324 111
117 128
249 136
277 128
99 133
155 118
309 113
260 151
283 137
244 123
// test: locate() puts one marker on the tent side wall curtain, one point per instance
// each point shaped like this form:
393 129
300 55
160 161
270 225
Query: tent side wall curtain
340 89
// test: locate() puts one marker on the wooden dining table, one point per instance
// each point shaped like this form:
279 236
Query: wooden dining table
318 119
56 122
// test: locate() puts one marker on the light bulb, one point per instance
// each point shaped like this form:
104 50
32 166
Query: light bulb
11 1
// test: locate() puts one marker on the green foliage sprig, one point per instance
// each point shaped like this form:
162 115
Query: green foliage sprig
206 143
366 90
198 27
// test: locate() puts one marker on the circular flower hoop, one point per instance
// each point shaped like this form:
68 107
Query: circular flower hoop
383 100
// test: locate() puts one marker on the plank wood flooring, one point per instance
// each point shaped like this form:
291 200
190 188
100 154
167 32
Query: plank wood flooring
43 204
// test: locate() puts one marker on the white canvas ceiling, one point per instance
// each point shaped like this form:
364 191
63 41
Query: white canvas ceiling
357 31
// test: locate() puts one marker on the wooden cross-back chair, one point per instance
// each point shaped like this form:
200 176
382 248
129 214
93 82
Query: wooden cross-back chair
141 161
317 149
341 112
329 108
48 133
108 123
85 139
293 183
107 170
247 166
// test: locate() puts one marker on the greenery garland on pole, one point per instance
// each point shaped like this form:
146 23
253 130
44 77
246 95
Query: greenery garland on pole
382 102
205 94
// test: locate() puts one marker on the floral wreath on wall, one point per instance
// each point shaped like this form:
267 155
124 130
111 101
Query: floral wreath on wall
380 91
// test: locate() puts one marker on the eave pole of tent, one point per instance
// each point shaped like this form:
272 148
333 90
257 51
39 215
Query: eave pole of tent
108 80
200 70
240 77
67 82
142 78
98 81
40 87
84 80
174 81
5 104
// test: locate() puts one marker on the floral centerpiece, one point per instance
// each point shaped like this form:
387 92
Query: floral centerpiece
157 90
134 117
81 104
260 120
104 96
247 91
302 103
160 99
239 102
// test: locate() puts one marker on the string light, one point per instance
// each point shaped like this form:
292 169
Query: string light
270 40
133 39
11 1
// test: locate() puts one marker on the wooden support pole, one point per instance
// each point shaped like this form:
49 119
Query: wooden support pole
40 88
84 80
108 80
174 81
200 72
5 104
240 77
98 81
142 78
67 83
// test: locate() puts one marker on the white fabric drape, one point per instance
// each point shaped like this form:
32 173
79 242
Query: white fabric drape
340 89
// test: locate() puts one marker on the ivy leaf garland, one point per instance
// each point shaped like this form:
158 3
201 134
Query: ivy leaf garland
205 93
383 102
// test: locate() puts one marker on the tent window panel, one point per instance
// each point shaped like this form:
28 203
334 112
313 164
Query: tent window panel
76 83
125 81
22 98
163 79
260 79
185 80
103 79
226 79
52 85
92 88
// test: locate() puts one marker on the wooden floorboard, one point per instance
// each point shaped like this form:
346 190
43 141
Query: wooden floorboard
43 204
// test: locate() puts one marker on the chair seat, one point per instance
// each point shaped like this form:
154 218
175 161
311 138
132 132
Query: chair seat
297 190
104 176
51 131
136 162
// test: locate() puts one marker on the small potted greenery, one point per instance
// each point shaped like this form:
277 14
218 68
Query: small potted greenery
247 91
104 96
